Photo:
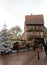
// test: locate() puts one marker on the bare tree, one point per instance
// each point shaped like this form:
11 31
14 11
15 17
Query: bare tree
16 31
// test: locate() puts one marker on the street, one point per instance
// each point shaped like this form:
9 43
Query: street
23 58
19 58
41 61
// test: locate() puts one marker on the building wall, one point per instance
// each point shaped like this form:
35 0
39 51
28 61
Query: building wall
34 30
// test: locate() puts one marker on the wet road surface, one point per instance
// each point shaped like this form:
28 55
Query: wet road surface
22 58
41 61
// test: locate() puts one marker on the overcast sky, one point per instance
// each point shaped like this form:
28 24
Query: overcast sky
14 11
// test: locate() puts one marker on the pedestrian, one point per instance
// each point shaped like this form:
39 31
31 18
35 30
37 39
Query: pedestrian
41 47
38 54
34 45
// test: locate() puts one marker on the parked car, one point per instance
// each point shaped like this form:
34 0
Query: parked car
5 48
18 45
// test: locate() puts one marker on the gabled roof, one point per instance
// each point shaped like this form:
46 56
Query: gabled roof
34 19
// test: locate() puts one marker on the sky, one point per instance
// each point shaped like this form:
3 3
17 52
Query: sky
13 11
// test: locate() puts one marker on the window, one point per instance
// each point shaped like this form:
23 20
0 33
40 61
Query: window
41 34
31 27
37 34
37 27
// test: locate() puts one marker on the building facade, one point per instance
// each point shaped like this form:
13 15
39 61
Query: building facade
34 27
